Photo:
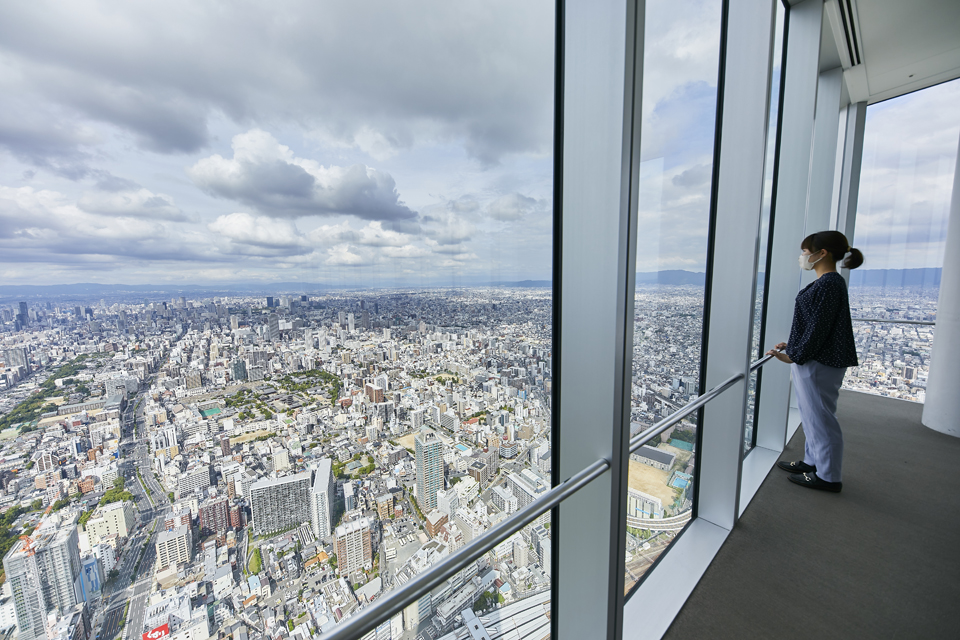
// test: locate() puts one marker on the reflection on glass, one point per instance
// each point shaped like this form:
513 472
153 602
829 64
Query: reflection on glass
681 55
909 154
769 162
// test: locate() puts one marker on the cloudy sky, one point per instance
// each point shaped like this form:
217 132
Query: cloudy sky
909 155
323 142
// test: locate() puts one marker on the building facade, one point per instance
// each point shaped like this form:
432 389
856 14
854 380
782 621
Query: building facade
174 546
280 504
321 499
353 544
429 462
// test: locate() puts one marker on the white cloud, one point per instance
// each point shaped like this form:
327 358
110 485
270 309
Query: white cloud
513 206
343 256
266 175
260 230
406 251
139 203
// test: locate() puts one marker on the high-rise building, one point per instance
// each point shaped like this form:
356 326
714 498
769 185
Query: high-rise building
192 379
174 546
214 516
237 519
15 357
350 322
321 499
238 370
448 501
353 545
273 327
429 461
280 504
44 574
116 518
192 479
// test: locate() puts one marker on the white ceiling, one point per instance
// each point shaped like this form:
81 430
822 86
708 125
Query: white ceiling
905 45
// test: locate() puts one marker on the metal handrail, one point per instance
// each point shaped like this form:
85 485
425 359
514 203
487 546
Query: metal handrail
893 321
368 619
759 363
643 438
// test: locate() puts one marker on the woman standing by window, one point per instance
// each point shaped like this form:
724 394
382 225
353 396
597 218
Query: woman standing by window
819 350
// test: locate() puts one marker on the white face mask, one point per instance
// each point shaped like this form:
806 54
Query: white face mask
805 263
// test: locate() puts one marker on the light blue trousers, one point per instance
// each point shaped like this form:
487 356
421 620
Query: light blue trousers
818 387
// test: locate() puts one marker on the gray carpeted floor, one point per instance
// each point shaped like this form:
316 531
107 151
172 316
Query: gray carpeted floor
879 560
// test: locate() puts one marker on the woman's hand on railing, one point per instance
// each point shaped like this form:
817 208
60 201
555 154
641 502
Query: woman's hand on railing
778 353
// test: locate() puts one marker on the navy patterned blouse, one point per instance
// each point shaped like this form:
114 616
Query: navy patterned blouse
822 329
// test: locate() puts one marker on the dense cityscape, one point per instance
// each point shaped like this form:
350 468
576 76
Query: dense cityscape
263 466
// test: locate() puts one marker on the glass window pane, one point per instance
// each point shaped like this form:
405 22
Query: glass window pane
681 57
324 236
909 153
765 210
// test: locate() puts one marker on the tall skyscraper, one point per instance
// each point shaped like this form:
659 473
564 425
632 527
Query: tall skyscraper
350 322
44 575
273 327
321 498
429 461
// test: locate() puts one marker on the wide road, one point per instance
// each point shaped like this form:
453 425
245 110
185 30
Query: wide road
111 623
133 580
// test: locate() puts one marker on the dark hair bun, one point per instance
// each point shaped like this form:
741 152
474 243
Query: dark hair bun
853 260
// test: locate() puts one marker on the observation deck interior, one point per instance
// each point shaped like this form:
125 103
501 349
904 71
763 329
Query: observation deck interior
878 560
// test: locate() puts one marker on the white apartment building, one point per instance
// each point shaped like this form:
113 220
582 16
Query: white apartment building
321 499
116 518
174 546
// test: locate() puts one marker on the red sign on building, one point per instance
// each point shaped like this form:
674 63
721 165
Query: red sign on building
159 632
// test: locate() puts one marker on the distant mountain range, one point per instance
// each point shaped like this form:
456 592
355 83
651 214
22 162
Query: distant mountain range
671 276
81 290
924 278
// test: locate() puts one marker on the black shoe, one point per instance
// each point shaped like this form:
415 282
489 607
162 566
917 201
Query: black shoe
796 467
813 482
